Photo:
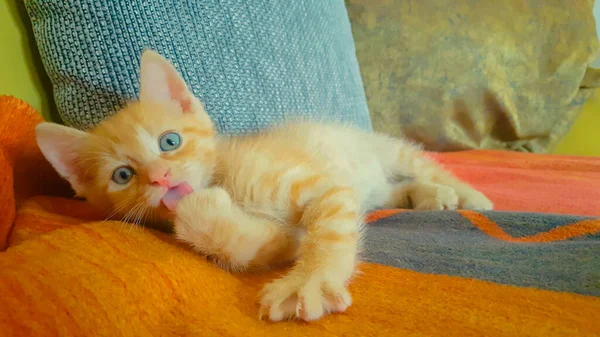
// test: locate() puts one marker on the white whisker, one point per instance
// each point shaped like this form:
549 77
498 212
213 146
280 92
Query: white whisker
117 208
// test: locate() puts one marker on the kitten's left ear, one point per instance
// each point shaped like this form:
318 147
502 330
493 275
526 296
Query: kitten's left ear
160 82
60 146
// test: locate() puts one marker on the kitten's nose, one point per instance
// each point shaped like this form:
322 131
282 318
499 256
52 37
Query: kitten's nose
160 177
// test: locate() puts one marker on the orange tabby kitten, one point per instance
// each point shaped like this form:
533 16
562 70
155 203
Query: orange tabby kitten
294 192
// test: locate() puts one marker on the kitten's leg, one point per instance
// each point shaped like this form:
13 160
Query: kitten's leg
422 196
327 258
237 241
400 158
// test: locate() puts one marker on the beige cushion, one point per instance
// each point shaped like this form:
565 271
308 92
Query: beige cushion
464 74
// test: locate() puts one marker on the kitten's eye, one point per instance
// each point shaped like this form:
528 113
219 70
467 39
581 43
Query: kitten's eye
122 175
169 141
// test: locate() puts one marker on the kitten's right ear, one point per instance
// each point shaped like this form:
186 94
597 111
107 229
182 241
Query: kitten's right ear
59 145
160 82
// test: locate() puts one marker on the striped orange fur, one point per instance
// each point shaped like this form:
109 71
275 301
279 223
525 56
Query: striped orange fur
208 132
296 192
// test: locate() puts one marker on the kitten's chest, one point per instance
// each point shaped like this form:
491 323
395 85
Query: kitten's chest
261 184
260 199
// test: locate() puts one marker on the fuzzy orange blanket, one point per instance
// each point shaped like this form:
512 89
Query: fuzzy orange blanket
63 273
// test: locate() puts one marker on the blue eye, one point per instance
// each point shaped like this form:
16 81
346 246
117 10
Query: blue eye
169 141
122 175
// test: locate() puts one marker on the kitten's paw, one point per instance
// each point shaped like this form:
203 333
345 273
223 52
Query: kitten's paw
306 298
196 211
469 198
209 199
439 197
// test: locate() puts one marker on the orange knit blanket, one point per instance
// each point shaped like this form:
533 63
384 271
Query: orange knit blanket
65 274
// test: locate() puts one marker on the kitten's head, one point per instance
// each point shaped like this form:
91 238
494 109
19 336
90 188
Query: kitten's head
129 163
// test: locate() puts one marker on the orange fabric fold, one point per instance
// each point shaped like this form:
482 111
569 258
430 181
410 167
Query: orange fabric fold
24 171
107 279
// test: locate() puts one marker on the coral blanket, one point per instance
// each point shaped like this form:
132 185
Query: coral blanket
64 273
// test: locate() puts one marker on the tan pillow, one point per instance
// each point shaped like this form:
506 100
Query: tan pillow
463 74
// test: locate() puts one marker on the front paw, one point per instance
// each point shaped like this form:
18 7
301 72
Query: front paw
197 213
212 199
304 297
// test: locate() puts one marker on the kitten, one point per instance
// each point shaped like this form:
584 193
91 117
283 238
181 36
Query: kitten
295 192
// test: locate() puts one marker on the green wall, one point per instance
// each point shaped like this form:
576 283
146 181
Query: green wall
584 137
21 72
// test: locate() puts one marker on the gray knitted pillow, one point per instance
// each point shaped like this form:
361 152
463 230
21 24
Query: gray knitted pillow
251 62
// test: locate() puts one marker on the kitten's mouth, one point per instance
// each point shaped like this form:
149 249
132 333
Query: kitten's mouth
174 194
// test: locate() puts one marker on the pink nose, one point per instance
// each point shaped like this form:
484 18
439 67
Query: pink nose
160 177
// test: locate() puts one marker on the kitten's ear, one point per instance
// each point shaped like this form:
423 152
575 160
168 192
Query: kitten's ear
160 82
60 145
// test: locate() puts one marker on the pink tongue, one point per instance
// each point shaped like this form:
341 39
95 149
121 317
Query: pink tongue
174 194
